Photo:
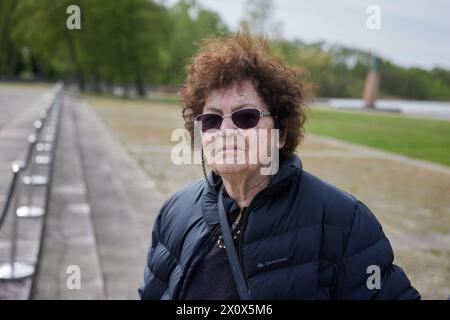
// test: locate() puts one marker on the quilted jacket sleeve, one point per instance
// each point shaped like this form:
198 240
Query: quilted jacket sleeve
366 270
153 287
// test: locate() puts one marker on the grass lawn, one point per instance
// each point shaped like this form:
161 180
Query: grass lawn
427 139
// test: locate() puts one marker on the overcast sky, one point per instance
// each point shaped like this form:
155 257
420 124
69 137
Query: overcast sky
413 33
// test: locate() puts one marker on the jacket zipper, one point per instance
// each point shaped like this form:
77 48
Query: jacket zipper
210 241
241 235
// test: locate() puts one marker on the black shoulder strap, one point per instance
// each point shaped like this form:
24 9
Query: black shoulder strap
238 275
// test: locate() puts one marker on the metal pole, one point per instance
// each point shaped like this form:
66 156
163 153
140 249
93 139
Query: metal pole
14 270
29 210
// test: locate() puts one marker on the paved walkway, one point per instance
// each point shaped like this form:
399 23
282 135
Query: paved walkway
101 217
100 213
19 109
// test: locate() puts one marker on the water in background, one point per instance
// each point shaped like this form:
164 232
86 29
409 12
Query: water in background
435 109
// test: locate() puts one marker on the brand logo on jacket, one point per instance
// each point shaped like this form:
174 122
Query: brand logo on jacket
273 263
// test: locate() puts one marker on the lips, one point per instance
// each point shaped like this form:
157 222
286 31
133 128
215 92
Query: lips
229 148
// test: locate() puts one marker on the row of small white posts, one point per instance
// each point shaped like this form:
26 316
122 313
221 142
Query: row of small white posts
32 173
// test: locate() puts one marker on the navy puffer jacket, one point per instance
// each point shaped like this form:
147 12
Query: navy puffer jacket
302 238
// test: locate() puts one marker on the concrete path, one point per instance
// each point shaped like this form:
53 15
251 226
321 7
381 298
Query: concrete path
100 214
19 109
69 238
101 218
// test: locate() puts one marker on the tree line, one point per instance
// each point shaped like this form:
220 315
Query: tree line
137 43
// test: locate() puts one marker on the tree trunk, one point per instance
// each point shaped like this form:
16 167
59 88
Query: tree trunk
75 63
140 86
96 83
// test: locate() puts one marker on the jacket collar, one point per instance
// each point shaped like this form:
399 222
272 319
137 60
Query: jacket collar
289 168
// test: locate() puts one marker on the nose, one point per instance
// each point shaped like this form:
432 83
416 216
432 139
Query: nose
227 123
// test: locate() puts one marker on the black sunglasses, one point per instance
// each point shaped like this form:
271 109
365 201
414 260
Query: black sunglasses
243 119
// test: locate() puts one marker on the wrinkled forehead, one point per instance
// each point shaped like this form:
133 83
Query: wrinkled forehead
232 96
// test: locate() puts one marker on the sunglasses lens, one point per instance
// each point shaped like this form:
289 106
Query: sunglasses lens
210 121
246 118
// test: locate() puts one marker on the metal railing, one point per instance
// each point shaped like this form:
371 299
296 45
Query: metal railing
28 173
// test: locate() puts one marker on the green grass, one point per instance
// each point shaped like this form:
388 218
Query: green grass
427 139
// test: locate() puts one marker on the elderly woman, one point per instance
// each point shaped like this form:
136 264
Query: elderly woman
248 233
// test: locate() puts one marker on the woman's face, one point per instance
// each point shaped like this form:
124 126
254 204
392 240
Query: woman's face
231 149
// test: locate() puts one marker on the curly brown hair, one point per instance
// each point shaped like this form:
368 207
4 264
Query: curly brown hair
237 57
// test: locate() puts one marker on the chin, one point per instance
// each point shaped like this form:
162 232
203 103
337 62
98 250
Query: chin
230 168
